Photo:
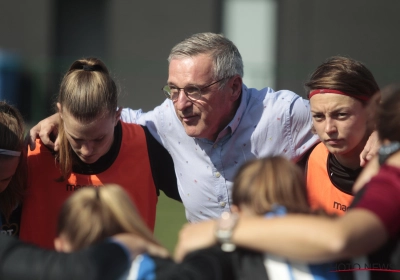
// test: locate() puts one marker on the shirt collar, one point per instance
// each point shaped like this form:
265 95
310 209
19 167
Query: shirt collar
234 123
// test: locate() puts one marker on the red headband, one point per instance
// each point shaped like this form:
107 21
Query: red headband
327 90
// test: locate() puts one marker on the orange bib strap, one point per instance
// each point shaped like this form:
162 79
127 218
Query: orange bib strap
322 193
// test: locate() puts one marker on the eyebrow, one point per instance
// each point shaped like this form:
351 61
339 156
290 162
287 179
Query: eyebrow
80 139
188 85
334 111
73 137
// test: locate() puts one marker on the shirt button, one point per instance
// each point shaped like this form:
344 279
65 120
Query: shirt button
222 204
215 146
217 174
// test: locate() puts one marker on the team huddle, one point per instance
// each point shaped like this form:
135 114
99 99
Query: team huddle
274 186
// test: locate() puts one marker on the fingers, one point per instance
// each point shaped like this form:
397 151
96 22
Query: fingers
194 237
180 249
366 155
45 138
137 245
56 144
44 130
33 134
363 158
371 149
157 251
179 253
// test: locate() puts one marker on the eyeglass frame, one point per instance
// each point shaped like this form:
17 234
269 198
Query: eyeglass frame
168 94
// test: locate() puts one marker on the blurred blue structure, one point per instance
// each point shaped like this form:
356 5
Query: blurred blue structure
10 78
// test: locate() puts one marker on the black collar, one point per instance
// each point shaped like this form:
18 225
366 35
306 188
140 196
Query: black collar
341 177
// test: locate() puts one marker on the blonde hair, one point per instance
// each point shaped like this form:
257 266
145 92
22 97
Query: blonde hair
259 184
87 92
12 138
92 214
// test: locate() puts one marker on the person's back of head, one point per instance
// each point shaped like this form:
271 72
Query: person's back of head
343 74
87 90
386 113
261 184
225 55
93 214
12 156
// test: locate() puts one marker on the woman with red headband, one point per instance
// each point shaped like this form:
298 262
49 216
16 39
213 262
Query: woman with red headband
339 90
371 226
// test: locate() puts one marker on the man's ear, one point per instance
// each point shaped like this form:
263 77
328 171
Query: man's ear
118 115
59 109
236 85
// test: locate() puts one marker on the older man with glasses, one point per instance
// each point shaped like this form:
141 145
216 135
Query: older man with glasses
212 123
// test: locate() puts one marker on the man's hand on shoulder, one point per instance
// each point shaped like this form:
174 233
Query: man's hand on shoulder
137 245
44 129
194 237
371 148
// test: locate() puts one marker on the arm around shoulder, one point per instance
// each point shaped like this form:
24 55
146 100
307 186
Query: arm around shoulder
310 238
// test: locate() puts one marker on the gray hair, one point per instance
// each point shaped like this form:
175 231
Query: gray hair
226 57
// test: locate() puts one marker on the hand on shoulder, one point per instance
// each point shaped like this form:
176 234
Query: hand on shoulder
194 237
43 130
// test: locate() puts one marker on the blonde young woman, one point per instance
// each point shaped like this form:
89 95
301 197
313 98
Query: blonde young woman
94 214
96 148
19 260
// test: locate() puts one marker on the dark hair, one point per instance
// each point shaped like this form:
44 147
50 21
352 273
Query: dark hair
12 138
344 74
386 111
87 92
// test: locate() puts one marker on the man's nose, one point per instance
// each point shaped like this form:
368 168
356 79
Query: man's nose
182 102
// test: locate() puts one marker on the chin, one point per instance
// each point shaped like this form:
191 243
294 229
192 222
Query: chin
340 151
89 160
191 131
337 150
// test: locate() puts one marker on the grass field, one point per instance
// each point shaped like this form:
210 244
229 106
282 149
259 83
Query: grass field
169 220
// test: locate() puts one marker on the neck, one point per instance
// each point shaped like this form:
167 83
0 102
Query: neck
228 119
349 162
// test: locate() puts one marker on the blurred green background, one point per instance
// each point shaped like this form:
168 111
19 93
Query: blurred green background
169 220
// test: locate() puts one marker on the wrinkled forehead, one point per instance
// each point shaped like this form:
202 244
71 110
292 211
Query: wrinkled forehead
189 68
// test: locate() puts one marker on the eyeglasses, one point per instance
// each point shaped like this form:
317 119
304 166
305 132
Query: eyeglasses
191 92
